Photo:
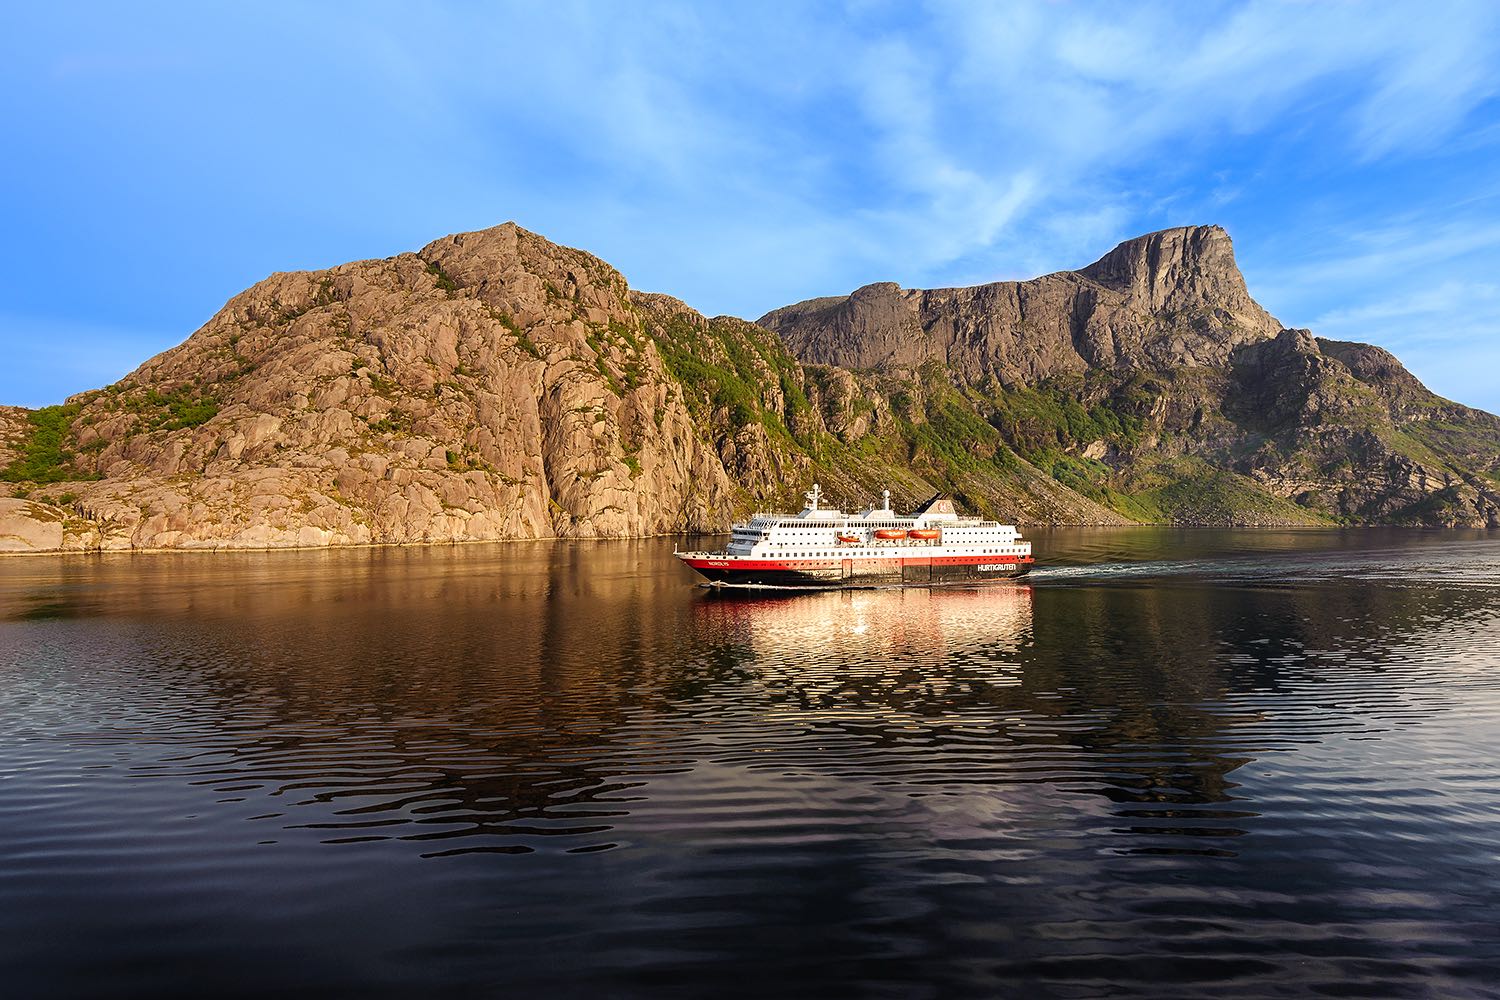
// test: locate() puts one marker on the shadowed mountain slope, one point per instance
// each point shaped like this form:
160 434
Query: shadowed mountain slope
496 385
1152 382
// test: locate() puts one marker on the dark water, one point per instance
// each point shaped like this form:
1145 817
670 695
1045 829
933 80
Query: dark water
1176 763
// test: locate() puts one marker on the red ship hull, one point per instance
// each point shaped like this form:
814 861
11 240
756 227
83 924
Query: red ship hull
915 571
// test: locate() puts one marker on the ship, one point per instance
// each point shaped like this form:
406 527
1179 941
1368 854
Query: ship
826 548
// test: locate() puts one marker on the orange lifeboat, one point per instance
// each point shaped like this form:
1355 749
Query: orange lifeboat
890 534
925 533
849 539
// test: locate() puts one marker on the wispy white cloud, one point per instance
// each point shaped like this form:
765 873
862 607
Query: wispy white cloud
742 157
920 146
1423 287
1447 314
1073 93
1418 247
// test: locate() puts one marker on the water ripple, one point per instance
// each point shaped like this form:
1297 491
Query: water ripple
1252 763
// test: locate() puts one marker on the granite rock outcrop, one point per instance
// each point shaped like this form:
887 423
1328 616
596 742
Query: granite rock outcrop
495 385
1153 383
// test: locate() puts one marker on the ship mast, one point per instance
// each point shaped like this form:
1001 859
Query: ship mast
813 496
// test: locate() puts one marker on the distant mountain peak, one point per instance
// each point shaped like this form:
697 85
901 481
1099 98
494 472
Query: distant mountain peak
1186 267
1188 248
1166 298
497 385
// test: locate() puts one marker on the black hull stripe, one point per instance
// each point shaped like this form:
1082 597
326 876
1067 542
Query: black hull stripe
835 578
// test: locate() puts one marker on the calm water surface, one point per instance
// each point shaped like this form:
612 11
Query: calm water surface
1173 763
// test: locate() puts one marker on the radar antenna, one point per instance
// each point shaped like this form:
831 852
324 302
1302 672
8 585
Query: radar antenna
813 496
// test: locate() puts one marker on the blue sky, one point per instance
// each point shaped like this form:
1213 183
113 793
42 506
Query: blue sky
158 158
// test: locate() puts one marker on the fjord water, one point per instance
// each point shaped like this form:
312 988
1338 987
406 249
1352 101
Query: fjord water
1172 762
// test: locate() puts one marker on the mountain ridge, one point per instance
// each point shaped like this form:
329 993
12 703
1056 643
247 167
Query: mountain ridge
1182 318
1109 311
496 385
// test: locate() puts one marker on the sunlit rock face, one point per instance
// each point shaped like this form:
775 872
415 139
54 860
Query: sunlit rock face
496 385
1170 298
1151 379
492 385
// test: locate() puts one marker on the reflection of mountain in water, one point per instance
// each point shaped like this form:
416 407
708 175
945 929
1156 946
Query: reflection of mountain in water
1055 789
501 698
1149 697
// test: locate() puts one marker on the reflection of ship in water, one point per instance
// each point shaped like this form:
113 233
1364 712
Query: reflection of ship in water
823 548
575 697
919 651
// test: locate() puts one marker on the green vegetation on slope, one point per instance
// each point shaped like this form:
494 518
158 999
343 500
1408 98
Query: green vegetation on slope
726 364
1044 419
945 434
441 278
44 456
977 442
182 407
1188 490
1154 446
1457 434
179 409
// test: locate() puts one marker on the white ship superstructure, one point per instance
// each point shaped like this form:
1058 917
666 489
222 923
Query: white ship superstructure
825 547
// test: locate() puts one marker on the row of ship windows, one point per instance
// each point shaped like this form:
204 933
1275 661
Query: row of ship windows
952 536
825 529
846 553
946 541
855 527
797 525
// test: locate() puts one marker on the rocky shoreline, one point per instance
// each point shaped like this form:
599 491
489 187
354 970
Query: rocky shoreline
496 386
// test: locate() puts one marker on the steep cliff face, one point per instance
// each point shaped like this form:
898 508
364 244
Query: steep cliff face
496 385
1151 382
1344 429
493 385
1170 298
779 425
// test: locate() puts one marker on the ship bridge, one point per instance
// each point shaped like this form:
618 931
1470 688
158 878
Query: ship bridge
826 547
823 529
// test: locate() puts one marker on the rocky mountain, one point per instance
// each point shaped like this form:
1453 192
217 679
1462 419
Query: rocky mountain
1168 299
493 385
1151 382
496 385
